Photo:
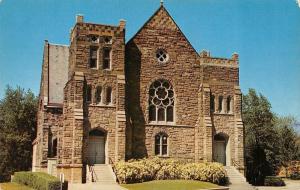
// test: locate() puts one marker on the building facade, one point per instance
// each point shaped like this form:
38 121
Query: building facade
103 100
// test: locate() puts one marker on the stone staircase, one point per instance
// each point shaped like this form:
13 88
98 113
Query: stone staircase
101 173
236 180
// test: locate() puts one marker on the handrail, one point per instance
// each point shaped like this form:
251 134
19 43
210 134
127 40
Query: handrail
113 168
92 171
236 164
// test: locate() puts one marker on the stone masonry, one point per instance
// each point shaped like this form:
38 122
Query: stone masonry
95 105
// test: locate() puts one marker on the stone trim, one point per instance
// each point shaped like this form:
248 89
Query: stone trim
78 113
237 90
167 125
79 76
121 116
45 100
220 65
121 79
69 165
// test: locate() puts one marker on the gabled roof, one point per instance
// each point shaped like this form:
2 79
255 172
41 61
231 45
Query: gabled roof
162 19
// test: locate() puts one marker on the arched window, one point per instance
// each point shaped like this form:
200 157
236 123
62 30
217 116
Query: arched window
161 144
161 101
108 95
98 94
220 106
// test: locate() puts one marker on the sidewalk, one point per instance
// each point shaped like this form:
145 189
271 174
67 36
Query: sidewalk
95 186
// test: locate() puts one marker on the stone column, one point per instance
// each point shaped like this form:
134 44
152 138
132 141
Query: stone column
238 131
120 120
207 144
72 137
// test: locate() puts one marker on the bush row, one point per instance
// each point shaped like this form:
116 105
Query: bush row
37 180
274 181
135 171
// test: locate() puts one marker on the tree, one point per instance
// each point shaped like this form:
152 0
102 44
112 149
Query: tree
289 149
260 137
18 111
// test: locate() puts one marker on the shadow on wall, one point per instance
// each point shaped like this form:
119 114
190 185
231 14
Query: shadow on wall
135 127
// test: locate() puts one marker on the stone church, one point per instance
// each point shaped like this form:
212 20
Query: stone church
103 99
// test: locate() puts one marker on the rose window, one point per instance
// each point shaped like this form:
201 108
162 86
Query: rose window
162 56
161 101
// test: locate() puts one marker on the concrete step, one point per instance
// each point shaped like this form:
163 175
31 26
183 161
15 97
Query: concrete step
103 174
237 180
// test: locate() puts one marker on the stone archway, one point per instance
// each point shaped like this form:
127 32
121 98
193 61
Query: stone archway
221 151
96 147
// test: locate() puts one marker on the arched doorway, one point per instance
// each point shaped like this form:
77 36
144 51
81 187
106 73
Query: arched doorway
96 147
221 149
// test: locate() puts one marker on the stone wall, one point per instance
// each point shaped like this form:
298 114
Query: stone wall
82 116
142 69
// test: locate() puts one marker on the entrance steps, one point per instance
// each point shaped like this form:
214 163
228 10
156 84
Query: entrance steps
237 180
100 173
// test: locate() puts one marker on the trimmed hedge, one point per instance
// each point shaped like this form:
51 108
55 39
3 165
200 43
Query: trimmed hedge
295 176
136 171
38 180
274 181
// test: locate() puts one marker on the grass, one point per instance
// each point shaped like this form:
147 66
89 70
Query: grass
13 186
170 185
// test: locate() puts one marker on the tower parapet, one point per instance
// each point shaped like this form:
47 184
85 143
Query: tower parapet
207 59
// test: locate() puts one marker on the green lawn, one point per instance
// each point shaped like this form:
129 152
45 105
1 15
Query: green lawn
170 185
13 186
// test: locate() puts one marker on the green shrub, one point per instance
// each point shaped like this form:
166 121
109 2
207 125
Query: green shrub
37 180
135 171
295 176
273 181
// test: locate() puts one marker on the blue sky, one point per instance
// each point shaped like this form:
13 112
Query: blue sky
265 33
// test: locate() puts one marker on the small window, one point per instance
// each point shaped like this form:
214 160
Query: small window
93 57
108 95
108 40
94 39
228 104
162 56
88 93
161 144
106 58
98 94
220 107
212 103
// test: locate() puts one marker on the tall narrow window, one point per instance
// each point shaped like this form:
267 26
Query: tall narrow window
50 145
161 101
152 113
220 107
161 144
106 58
228 104
98 94
54 152
108 95
93 57
212 103
88 94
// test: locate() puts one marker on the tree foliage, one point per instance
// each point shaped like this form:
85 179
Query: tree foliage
18 111
270 141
